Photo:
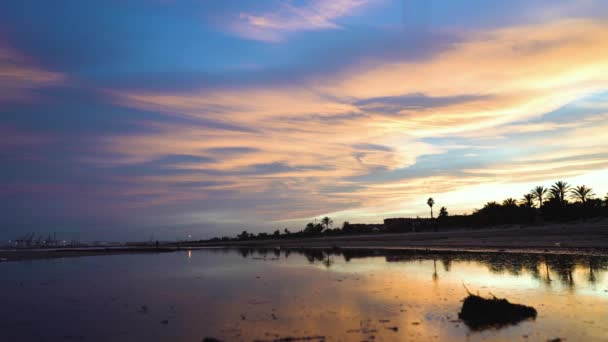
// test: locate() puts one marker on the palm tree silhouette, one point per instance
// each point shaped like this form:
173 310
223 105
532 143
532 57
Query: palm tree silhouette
491 205
538 192
510 202
327 222
559 191
528 200
582 193
443 212
430 203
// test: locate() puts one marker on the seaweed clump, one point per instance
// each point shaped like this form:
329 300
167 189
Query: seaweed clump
479 313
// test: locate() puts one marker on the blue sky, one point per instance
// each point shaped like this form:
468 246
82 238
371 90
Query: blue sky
126 119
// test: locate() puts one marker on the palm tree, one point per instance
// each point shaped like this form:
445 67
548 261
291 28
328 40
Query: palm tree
538 192
491 205
327 222
509 202
430 203
528 200
583 193
559 191
443 212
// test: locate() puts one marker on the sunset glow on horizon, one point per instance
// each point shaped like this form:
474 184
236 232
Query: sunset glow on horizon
129 119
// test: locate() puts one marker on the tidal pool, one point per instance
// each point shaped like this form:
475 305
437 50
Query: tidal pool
272 294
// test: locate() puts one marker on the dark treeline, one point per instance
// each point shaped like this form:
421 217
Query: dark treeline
559 203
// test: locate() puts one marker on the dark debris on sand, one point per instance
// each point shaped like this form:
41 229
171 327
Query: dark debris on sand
293 339
211 339
479 313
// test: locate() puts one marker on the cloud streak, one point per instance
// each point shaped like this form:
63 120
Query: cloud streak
287 17
377 117
19 76
356 113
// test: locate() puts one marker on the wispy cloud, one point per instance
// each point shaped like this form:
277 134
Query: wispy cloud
19 75
324 132
366 108
490 79
288 17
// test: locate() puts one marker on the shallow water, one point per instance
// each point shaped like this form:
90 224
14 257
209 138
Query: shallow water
349 295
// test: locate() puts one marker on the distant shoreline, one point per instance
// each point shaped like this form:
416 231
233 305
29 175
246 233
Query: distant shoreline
579 238
23 254
554 237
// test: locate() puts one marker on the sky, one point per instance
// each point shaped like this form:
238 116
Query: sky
138 119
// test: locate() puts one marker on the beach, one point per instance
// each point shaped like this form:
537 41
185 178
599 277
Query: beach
592 236
576 238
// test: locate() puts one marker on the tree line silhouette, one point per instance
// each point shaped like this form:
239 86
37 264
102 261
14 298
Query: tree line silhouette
561 202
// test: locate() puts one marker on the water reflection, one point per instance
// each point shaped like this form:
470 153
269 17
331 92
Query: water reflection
563 286
541 266
270 294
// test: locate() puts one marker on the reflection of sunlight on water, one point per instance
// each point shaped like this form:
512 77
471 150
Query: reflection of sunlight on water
570 295
271 294
579 278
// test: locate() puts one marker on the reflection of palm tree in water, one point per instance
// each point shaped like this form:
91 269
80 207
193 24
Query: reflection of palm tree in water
447 263
328 261
564 269
592 279
548 275
570 280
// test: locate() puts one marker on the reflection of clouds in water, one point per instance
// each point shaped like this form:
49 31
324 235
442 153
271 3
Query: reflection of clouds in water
362 293
559 285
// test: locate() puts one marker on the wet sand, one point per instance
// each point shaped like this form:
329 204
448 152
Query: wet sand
578 237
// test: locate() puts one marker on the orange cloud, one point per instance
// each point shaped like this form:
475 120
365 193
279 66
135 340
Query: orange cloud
329 129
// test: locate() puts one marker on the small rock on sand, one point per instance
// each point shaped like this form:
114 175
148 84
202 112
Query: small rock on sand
478 312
